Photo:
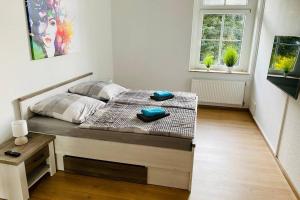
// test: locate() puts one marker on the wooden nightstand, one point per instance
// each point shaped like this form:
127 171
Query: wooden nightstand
17 175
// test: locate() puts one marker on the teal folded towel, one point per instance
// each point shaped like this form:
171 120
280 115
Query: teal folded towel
162 94
151 112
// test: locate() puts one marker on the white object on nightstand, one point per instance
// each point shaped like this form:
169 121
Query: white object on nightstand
20 132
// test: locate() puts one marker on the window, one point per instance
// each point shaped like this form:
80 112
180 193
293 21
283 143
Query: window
219 24
220 32
225 2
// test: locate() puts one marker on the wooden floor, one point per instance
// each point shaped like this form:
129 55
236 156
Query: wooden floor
232 162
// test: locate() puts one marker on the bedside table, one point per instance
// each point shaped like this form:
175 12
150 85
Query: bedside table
17 175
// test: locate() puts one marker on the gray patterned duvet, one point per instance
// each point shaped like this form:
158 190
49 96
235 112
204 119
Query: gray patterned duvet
142 97
122 117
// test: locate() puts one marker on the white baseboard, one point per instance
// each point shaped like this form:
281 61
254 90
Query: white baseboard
222 105
264 135
284 172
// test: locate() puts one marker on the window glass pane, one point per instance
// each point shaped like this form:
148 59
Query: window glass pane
236 45
214 2
236 2
233 27
214 41
212 26
209 47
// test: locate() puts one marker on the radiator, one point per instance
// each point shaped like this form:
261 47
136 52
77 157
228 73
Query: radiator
219 92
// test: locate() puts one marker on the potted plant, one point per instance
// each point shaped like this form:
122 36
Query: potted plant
230 57
285 64
208 61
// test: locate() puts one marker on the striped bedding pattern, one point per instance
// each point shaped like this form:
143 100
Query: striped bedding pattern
183 100
68 107
122 117
98 89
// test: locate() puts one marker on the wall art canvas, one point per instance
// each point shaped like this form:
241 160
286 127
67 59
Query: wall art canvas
53 27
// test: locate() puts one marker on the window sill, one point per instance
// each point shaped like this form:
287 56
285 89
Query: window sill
220 72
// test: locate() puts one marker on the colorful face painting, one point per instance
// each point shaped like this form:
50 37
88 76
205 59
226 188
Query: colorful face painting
51 29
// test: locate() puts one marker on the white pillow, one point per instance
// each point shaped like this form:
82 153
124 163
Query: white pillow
98 89
68 107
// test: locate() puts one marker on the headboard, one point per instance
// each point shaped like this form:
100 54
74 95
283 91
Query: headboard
26 101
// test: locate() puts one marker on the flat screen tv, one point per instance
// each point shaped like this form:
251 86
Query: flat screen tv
284 69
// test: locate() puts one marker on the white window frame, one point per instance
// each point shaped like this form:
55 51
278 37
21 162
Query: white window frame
200 10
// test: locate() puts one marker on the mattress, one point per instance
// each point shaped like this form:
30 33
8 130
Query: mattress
53 126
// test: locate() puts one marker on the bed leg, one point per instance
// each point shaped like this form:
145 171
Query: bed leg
191 173
51 159
60 161
168 177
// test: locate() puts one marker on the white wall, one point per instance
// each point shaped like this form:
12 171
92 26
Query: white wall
281 17
151 45
289 152
20 75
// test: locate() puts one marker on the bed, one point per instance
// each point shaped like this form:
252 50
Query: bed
167 157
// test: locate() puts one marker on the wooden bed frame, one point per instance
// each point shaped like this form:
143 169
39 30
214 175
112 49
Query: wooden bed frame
166 167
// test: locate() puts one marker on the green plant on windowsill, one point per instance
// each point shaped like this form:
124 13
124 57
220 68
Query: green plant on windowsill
230 57
208 61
